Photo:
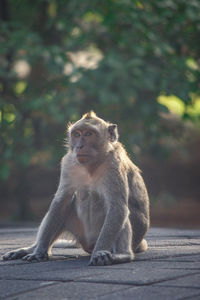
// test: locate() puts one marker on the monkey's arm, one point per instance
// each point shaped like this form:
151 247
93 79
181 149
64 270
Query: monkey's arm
52 225
46 234
116 232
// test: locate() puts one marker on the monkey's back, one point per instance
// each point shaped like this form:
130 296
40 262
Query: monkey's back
138 201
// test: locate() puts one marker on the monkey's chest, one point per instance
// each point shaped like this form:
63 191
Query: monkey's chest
91 213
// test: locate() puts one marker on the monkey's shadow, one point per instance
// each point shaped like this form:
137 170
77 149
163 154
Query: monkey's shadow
70 254
78 257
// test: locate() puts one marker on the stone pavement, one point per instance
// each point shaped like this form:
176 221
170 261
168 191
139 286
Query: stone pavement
170 269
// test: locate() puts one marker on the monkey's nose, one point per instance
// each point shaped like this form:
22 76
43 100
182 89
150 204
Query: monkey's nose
80 146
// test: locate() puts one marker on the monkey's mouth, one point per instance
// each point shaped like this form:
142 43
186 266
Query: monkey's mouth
82 158
83 155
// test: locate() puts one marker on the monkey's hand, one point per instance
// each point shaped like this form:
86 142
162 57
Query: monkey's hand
36 257
101 258
16 254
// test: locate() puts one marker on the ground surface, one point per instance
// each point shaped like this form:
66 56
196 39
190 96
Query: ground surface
170 269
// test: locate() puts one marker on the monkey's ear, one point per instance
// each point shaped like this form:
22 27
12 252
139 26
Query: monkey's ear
113 133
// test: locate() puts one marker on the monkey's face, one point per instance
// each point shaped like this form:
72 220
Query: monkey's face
85 144
91 138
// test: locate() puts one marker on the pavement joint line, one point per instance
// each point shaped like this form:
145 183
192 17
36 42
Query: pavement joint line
113 282
160 268
42 279
180 286
182 256
114 292
172 261
117 282
190 297
185 269
51 283
181 276
137 283
166 256
27 291
179 261
36 279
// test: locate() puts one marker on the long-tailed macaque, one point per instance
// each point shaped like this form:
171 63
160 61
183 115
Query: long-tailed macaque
101 199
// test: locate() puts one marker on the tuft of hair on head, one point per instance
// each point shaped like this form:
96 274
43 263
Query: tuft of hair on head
69 125
89 115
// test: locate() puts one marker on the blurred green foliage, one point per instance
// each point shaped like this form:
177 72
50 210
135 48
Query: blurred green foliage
59 59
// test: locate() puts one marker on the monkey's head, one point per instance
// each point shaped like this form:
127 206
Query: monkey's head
91 138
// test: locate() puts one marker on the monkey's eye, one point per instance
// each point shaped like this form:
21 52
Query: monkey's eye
76 134
88 133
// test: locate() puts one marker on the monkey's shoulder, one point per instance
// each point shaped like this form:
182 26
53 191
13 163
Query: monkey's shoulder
121 159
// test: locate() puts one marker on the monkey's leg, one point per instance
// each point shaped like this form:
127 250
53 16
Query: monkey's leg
143 246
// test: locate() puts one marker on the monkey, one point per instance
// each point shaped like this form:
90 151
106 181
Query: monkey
101 200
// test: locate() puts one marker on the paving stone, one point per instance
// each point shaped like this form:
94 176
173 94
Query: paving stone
170 269
14 287
190 281
137 276
154 293
72 290
57 270
77 269
183 258
170 232
169 242
168 251
161 264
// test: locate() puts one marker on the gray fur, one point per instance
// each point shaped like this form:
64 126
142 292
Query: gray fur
102 201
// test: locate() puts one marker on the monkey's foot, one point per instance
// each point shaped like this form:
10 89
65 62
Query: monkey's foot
36 257
17 254
101 258
143 246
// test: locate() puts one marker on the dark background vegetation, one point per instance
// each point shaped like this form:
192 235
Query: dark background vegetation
136 63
